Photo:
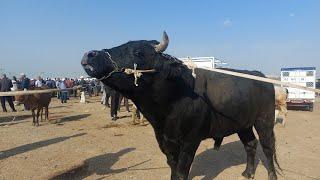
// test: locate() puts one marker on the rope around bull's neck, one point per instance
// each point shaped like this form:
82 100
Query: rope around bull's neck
137 73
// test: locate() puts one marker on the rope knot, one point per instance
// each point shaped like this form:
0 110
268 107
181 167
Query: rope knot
137 73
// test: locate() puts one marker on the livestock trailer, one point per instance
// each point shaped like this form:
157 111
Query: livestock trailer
304 76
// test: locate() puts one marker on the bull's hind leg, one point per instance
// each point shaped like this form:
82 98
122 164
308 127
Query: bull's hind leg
41 114
33 117
38 114
264 129
47 113
250 142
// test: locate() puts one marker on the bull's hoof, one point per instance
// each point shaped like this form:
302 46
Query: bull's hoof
272 176
216 148
247 175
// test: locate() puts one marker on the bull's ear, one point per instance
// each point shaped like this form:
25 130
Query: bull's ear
162 46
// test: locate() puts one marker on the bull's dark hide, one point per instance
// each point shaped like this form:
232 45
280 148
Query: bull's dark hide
184 110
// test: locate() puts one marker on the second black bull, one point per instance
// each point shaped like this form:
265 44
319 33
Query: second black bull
184 110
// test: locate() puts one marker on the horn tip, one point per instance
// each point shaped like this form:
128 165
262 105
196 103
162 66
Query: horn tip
165 36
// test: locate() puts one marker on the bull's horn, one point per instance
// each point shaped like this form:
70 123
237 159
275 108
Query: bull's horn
163 44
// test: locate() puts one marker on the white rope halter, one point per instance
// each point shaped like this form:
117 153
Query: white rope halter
136 73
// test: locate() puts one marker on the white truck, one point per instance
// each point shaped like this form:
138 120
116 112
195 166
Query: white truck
304 76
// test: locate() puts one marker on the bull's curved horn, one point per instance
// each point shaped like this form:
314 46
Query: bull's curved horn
163 44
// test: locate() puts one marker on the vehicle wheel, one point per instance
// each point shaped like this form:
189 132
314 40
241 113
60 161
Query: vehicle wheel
310 108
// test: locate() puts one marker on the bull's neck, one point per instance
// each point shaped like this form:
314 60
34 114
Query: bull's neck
154 96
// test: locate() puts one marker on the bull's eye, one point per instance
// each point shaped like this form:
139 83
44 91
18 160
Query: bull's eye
92 54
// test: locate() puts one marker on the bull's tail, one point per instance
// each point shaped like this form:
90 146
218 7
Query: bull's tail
268 143
275 156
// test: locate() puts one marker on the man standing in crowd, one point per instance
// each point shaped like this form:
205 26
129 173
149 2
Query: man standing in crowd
15 84
126 103
69 84
75 83
38 83
82 82
5 86
105 94
115 96
25 85
58 87
63 92
25 82
50 83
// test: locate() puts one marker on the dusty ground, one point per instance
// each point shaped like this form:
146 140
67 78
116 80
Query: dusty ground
80 142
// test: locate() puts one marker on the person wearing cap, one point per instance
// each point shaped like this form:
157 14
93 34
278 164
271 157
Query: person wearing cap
5 86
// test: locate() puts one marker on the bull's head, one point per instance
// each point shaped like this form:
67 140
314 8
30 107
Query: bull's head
20 98
100 63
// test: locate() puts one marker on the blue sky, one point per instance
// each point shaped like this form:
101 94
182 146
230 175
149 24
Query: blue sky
50 37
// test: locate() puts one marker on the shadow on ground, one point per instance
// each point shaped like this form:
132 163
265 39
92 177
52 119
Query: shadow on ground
61 119
208 164
211 163
54 107
100 165
18 117
29 147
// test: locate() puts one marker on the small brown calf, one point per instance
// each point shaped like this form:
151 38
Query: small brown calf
36 102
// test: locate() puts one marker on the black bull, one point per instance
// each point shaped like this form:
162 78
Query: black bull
184 110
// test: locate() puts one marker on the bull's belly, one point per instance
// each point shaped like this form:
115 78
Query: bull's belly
223 127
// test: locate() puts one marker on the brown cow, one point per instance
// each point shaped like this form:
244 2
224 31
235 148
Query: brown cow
36 102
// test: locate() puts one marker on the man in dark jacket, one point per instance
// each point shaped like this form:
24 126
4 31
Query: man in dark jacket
114 104
25 82
25 85
5 86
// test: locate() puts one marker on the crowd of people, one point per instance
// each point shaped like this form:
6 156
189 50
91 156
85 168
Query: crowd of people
89 86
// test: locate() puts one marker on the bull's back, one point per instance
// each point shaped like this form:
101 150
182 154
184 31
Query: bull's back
241 101
43 99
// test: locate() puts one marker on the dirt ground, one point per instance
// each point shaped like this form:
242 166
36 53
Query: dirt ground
81 142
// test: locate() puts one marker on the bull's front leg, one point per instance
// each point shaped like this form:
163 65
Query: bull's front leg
38 114
185 159
171 150
33 117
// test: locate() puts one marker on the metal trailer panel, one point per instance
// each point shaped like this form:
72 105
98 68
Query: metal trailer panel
304 76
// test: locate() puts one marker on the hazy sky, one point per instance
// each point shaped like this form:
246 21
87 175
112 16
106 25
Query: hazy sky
50 36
